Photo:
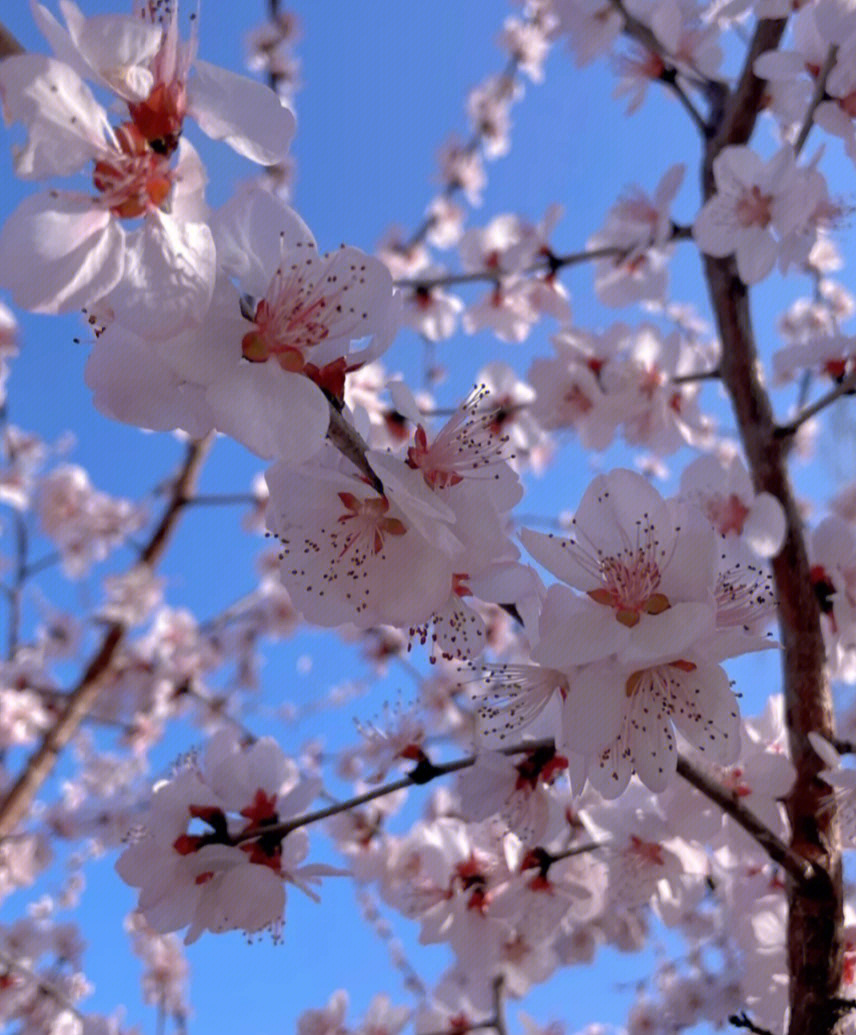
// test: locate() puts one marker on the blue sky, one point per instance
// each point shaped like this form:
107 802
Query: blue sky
384 83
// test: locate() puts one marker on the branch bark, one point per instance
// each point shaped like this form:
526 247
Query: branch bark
815 906
797 867
8 44
81 699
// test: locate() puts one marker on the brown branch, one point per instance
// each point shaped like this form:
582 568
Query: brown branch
815 910
817 96
845 386
97 673
815 907
734 124
424 772
9 46
351 445
798 868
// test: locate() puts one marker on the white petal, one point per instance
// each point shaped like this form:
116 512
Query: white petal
248 116
756 255
168 278
714 227
651 740
764 529
252 231
705 710
60 253
272 412
119 47
594 709
131 383
576 632
736 167
66 125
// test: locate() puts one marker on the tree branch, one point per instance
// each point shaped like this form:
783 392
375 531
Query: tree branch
815 907
351 445
798 868
736 121
9 46
549 263
81 699
816 97
424 772
846 386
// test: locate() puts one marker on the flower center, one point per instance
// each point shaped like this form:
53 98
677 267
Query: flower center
135 179
630 587
753 208
367 521
160 116
727 514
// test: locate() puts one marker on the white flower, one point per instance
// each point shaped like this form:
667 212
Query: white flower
752 198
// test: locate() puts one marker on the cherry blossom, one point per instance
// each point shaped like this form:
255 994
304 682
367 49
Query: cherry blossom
85 250
267 350
724 492
224 878
752 198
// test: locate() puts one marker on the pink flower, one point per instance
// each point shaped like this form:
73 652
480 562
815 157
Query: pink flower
722 489
645 568
258 366
225 875
142 59
63 250
752 199
352 554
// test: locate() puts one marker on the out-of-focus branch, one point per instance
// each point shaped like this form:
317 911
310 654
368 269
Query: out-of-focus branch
549 263
17 589
846 386
740 107
352 446
8 44
817 96
798 868
45 987
423 772
81 699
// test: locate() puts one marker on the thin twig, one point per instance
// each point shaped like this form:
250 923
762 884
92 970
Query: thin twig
703 375
81 699
43 986
352 446
499 1005
742 1020
41 563
543 264
817 96
799 868
670 79
585 849
9 46
423 773
844 387
17 588
223 499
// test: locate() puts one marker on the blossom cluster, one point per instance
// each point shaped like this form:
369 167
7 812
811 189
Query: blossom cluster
570 675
